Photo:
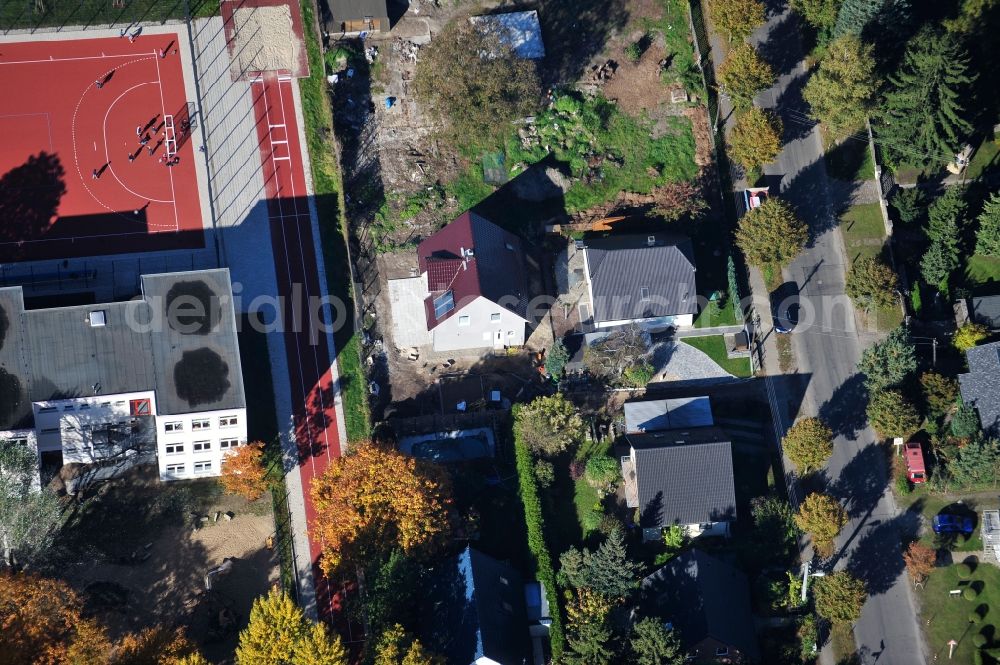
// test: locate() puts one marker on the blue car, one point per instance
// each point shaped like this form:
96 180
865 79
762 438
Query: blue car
952 524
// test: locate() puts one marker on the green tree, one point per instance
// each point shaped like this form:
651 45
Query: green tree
841 94
474 80
889 362
940 393
771 234
652 643
965 422
924 119
736 18
909 204
674 538
607 571
398 647
550 425
891 415
808 443
936 266
743 74
945 217
975 463
839 597
391 592
774 520
820 14
969 335
821 516
988 233
871 17
756 138
871 283
556 359
29 517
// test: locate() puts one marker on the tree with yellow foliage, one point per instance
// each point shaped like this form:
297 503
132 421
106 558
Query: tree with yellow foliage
378 499
398 647
280 634
243 471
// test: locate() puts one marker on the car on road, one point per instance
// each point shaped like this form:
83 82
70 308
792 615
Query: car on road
952 524
785 307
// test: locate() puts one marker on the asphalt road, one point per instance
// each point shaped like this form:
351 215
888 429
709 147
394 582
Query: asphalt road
827 347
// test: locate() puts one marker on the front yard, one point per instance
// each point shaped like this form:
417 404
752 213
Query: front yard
715 348
864 237
947 617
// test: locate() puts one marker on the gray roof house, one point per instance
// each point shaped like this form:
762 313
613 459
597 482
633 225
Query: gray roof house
354 16
660 414
682 477
646 279
981 386
480 616
708 601
985 310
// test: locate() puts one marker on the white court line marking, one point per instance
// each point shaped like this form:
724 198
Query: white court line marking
282 159
83 57
170 170
107 155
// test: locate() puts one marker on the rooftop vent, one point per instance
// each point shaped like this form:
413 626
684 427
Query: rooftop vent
650 241
98 318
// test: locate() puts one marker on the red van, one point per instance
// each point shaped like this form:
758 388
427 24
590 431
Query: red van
915 470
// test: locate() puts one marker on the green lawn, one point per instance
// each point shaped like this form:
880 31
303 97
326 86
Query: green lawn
985 157
928 506
585 499
714 315
850 161
715 348
983 271
949 615
864 237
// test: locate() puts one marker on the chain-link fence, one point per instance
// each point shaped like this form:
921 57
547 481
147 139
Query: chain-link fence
56 15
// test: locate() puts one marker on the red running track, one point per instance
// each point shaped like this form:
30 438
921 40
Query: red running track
57 126
309 354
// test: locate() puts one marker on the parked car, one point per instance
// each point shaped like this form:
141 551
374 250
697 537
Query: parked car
952 524
785 307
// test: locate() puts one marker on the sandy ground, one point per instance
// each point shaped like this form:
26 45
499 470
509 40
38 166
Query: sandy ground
264 39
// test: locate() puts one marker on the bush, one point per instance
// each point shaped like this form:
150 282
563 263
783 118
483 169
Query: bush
633 52
545 474
975 616
915 302
979 641
576 469
602 471
903 486
969 593
535 523
964 571
610 523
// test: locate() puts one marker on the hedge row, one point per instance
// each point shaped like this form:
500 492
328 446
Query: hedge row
542 560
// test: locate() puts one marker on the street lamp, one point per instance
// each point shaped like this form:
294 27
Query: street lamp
805 578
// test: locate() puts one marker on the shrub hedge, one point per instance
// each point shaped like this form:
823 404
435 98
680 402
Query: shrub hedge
542 559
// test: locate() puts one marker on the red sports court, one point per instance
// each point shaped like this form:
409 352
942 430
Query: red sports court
73 108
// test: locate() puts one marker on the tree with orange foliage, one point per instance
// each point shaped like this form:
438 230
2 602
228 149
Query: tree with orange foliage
378 499
920 561
39 620
243 471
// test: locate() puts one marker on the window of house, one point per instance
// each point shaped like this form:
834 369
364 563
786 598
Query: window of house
225 444
464 320
198 446
140 407
507 607
203 467
444 304
722 651
175 469
69 407
173 427
228 421
644 293
201 424
504 581
495 317
84 407
509 246
175 449
48 409
50 430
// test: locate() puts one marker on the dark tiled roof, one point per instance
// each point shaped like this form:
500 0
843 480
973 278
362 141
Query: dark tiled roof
355 10
495 269
684 476
702 597
482 610
986 310
981 386
620 267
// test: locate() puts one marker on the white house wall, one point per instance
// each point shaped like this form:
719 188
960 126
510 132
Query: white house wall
678 321
176 455
52 417
481 331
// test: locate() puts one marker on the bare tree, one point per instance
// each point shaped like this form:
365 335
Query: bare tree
621 349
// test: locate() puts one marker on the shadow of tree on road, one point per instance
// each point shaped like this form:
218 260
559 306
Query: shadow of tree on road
878 557
862 481
776 48
844 412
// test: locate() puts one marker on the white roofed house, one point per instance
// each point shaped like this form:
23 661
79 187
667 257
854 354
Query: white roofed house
153 379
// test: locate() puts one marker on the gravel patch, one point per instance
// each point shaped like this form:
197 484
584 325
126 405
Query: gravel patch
676 361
